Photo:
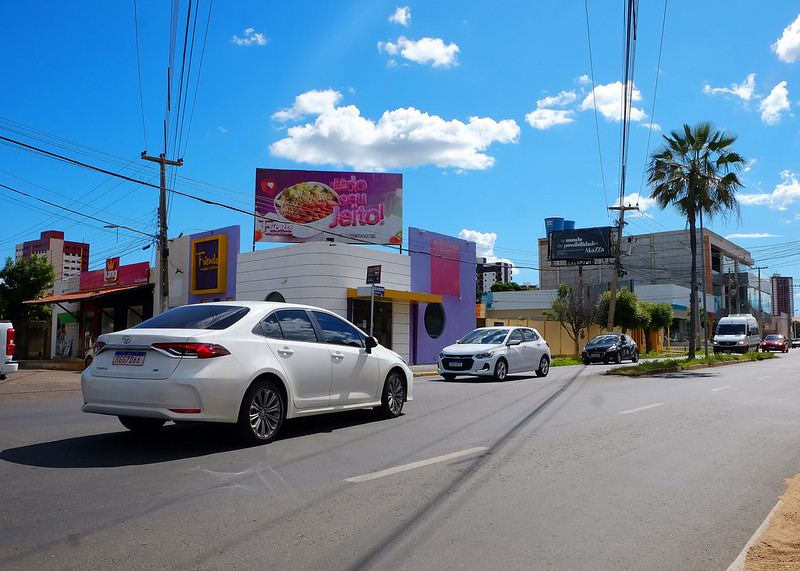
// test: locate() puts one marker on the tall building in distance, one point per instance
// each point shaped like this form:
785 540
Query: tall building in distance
782 295
68 258
492 272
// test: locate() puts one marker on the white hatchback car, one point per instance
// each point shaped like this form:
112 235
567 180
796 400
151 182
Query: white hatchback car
251 363
496 352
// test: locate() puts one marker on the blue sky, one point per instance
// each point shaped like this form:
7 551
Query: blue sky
496 115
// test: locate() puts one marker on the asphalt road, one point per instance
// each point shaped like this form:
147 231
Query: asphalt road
573 471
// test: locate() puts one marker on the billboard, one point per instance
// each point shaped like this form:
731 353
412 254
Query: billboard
209 264
581 244
312 206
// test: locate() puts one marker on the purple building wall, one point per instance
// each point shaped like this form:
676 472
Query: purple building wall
440 265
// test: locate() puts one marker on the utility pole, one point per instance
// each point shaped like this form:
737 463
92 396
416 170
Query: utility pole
163 260
612 305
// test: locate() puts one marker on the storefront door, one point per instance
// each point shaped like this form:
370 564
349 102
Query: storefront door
382 328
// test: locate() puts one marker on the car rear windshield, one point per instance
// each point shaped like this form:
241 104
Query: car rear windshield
199 316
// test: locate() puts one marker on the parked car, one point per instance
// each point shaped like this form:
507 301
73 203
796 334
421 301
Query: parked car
610 347
795 342
254 364
7 363
496 352
774 342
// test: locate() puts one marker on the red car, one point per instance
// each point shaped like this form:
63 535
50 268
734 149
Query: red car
775 343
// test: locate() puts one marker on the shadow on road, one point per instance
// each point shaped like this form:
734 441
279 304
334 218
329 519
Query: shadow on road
172 442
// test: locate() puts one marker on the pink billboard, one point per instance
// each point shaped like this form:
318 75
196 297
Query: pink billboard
311 206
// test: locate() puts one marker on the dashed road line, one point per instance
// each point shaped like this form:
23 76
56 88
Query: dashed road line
414 465
641 408
720 388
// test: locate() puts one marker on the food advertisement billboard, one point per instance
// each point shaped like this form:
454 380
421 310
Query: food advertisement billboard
312 206
582 244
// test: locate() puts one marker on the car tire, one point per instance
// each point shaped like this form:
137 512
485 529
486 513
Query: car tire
635 357
262 413
500 370
618 358
393 396
141 425
544 367
448 377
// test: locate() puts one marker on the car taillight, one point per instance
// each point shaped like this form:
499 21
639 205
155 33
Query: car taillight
98 346
197 350
10 342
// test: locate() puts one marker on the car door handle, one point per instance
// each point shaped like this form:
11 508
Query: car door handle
285 352
338 356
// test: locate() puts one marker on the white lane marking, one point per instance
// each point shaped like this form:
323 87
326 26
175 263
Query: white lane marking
641 408
720 388
762 378
413 465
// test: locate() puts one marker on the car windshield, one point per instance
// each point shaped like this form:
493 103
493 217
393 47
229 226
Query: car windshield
604 339
773 338
485 337
198 316
731 329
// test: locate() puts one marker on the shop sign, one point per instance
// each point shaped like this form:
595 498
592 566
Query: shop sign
373 274
115 274
111 275
312 206
209 264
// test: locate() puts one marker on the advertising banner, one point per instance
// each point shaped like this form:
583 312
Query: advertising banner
209 264
312 206
581 244
115 275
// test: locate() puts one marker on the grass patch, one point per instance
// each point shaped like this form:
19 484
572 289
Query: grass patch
675 365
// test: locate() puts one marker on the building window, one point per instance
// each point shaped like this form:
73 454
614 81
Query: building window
275 296
434 319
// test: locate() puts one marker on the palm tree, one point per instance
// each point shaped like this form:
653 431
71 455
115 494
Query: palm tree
696 172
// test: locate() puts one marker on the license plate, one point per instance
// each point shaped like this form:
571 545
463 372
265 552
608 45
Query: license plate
135 358
596 355
456 364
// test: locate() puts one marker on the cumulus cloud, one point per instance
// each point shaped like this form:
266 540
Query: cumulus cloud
544 117
644 203
425 51
401 16
785 194
774 104
788 45
251 38
608 99
484 245
744 91
401 138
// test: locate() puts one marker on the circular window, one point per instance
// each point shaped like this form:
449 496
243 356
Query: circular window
275 296
434 319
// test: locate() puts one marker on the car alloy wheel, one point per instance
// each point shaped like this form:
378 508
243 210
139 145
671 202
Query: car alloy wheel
263 412
393 396
618 358
500 370
544 367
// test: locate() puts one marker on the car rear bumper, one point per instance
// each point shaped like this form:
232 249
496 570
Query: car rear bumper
8 368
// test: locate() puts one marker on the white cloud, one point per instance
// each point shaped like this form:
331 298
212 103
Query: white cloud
609 102
543 117
747 236
774 104
546 118
643 202
425 51
251 38
484 245
785 193
788 46
744 91
401 138
401 16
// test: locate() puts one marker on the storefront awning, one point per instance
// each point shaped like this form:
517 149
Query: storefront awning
398 295
84 295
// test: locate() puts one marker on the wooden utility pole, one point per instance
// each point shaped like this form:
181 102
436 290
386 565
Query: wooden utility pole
163 260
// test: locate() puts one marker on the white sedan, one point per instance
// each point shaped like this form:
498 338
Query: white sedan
250 363
496 352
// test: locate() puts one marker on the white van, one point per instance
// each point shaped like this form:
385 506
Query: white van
737 333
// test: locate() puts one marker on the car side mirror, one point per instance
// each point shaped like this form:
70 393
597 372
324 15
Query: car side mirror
513 342
370 342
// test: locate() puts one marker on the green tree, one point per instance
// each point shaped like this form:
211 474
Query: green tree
626 313
21 281
573 312
695 171
506 286
660 317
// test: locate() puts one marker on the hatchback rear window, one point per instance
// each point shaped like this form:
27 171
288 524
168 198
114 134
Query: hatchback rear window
198 316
